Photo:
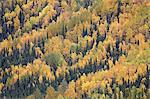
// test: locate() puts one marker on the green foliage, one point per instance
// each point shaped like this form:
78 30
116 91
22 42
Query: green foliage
28 26
139 57
54 59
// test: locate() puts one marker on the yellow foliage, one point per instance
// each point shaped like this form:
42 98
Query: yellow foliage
1 86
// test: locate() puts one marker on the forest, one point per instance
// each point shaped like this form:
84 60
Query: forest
74 49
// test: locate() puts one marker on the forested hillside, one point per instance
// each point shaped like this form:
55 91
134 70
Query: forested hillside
74 49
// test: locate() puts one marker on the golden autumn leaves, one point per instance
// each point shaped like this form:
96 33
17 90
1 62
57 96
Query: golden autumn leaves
93 45
38 68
